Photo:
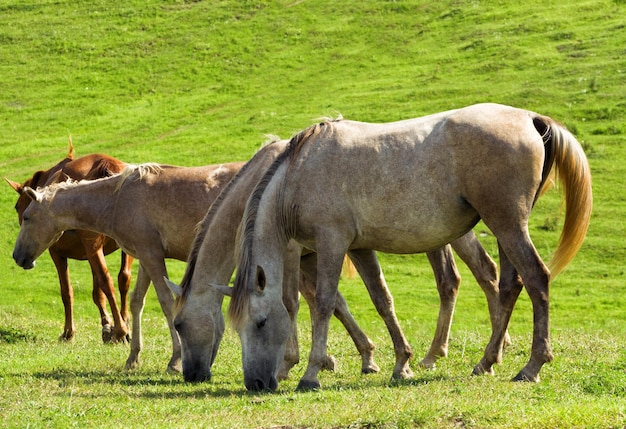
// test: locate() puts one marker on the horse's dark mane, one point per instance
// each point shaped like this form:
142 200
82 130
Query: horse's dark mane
240 292
105 168
203 226
201 231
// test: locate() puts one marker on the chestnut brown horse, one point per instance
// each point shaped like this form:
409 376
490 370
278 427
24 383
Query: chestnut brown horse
406 187
85 245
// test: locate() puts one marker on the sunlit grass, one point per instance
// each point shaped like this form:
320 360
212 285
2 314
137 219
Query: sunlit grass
193 83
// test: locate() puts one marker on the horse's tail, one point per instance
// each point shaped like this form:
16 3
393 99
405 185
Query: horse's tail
566 160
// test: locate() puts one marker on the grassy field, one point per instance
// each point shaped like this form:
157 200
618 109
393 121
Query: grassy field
200 82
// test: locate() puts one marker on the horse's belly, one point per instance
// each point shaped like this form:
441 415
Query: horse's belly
405 240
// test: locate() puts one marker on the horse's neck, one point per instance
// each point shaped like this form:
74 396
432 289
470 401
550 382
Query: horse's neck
87 207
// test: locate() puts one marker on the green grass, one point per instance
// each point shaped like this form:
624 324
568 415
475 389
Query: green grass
199 82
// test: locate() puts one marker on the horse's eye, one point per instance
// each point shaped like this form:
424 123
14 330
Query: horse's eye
261 323
178 325
260 278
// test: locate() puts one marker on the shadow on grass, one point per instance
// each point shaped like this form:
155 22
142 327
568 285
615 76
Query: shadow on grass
158 384
12 336
152 382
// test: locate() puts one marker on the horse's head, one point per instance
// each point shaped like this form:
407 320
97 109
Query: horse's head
199 322
37 232
259 315
256 307
263 330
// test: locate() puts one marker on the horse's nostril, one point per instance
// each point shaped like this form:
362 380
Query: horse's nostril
259 385
255 386
273 384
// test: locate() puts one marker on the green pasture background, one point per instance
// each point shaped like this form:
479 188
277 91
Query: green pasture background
201 82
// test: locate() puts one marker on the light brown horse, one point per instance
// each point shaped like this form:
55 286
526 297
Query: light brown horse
405 187
84 245
212 262
151 211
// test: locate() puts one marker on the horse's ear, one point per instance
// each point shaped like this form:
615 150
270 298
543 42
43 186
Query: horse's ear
16 186
224 290
176 290
70 152
32 194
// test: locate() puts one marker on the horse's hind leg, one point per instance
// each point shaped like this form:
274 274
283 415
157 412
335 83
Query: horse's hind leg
448 280
67 295
103 287
536 280
484 270
369 269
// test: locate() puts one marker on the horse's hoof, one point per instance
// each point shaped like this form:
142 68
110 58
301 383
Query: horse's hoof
371 368
480 370
107 334
330 364
404 374
427 365
308 386
119 337
175 367
66 337
131 364
525 378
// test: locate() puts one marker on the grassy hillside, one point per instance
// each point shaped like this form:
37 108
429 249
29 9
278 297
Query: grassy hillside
199 82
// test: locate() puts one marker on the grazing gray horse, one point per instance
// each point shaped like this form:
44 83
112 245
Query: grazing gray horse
405 187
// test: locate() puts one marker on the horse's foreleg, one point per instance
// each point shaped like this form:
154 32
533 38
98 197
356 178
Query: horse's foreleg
328 272
484 270
367 265
137 303
363 344
67 295
291 300
123 283
155 267
448 280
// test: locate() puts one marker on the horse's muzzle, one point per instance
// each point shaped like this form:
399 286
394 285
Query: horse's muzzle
196 376
26 263
258 385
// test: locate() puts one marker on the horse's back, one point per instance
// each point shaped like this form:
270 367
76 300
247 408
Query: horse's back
419 180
